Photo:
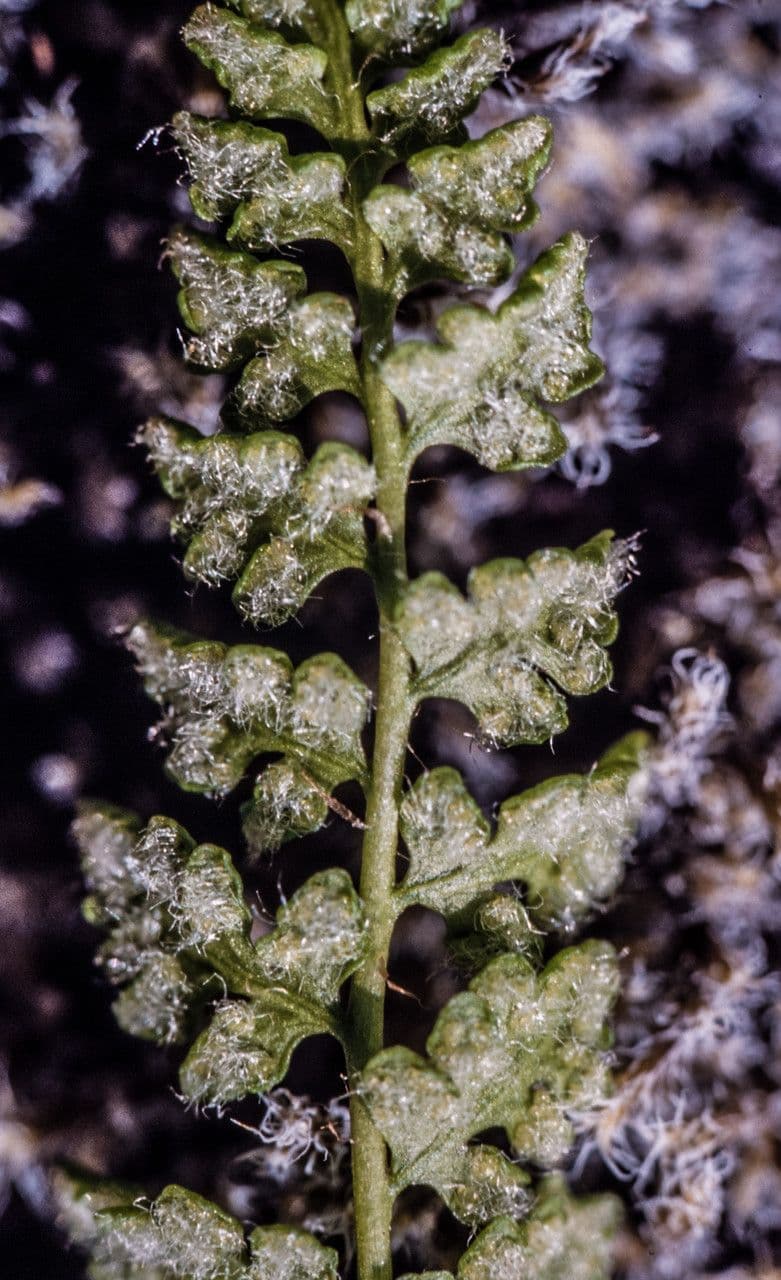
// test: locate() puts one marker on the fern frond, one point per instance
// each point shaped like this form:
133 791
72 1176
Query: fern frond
524 1046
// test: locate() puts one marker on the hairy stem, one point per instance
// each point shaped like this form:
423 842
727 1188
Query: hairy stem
373 1198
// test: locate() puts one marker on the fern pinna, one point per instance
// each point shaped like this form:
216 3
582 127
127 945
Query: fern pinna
523 1047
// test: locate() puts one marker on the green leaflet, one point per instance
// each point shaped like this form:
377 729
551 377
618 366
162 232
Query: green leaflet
565 838
427 1275
451 224
563 1238
293 16
318 941
239 308
495 924
251 507
523 1047
523 621
155 1005
107 838
481 387
398 28
428 104
183 919
180 1233
287 1253
487 182
234 304
312 354
515 1051
424 245
225 706
181 1236
247 1047
132 876
275 198
322 532
184 935
264 75
78 1200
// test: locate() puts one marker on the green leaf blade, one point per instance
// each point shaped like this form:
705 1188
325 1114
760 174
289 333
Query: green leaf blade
318 940
181 1232
312 356
264 75
428 104
253 509
464 198
424 245
524 626
565 838
179 1236
187 919
396 30
225 706
485 385
492 1050
486 182
288 1253
247 1047
232 303
241 170
291 15
564 1238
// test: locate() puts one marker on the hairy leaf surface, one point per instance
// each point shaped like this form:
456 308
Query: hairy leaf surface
246 312
225 706
312 354
428 104
524 1046
484 385
563 1238
564 838
182 1236
293 16
234 304
398 28
523 626
265 76
515 1051
450 225
317 942
241 170
253 509
184 915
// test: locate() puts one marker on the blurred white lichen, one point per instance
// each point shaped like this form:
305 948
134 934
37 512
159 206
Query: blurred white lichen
305 1154
22 499
54 152
21 1166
